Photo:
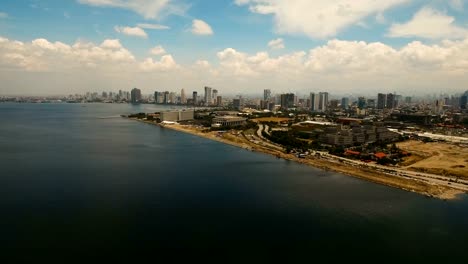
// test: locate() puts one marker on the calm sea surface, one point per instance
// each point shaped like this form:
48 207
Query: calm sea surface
79 177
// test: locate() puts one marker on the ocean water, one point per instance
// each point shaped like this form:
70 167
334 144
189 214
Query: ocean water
80 178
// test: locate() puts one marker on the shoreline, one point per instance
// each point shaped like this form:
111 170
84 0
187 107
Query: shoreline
407 184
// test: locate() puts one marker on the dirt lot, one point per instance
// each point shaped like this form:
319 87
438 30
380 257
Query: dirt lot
437 158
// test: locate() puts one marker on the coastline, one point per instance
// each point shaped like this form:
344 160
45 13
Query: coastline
408 184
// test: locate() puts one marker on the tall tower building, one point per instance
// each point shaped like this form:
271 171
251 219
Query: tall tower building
390 101
214 96
166 97
267 94
136 96
314 102
208 96
345 103
183 100
287 100
323 101
156 97
195 98
381 101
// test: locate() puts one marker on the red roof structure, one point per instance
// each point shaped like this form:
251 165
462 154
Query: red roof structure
380 155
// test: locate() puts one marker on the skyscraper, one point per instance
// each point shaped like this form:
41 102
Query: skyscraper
390 101
166 97
219 100
183 100
156 97
267 94
323 101
314 102
362 103
136 96
214 96
345 103
381 101
208 96
287 101
464 101
195 98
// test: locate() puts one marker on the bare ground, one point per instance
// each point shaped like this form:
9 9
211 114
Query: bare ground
436 158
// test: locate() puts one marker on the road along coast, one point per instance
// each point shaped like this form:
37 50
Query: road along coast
426 184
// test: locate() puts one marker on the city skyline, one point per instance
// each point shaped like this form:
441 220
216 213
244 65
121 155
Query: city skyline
238 46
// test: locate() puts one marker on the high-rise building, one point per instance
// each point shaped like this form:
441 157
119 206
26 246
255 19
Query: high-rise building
464 101
195 98
237 104
390 101
314 102
345 103
214 96
183 100
166 97
136 96
156 97
362 103
381 101
408 100
208 96
323 101
219 101
287 101
267 94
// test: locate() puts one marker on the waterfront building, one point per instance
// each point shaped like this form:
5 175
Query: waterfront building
136 96
176 116
195 98
228 121
166 97
183 99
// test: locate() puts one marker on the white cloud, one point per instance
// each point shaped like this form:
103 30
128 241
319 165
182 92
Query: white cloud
337 66
131 31
165 64
158 50
318 18
3 15
153 26
111 44
149 9
276 44
430 24
380 18
200 27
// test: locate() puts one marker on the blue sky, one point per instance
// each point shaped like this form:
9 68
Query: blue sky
246 26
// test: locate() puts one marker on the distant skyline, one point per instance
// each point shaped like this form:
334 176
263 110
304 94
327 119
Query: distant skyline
235 46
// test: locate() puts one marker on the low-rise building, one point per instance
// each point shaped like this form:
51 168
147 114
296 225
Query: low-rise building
226 121
176 116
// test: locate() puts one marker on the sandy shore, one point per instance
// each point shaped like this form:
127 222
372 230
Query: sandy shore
412 185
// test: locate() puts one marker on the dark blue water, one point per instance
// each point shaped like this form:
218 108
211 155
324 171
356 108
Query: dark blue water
73 178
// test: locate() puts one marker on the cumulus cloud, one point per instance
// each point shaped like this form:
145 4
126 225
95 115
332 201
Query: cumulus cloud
158 50
200 27
166 63
149 9
131 31
153 26
430 24
276 44
337 66
318 18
